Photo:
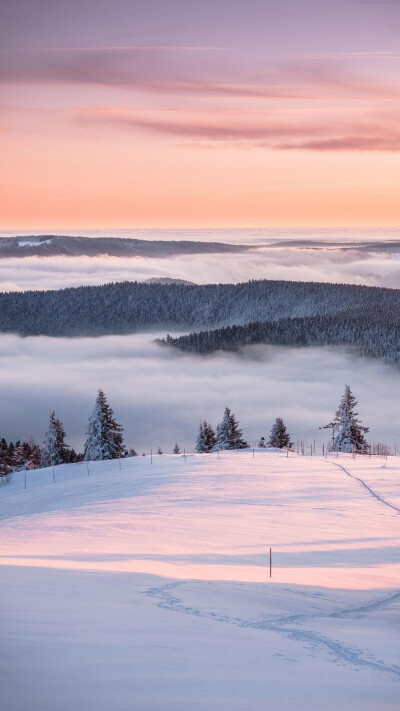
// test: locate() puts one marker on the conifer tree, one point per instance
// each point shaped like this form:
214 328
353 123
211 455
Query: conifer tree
54 449
209 437
348 433
279 437
206 437
176 449
229 435
104 434
27 455
200 443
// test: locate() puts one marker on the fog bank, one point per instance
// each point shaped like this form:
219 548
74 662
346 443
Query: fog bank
159 395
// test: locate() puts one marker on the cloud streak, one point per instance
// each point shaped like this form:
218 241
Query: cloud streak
262 130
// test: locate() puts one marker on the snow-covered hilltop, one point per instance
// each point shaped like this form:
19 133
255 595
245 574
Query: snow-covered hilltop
149 583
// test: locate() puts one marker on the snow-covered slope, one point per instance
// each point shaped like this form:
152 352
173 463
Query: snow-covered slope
146 585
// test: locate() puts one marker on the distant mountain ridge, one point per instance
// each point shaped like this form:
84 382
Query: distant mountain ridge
75 246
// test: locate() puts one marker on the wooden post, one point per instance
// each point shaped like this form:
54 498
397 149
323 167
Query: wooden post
270 562
287 453
323 450
311 449
87 467
54 476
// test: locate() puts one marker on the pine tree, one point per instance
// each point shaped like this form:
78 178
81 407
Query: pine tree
200 443
104 440
27 455
206 438
5 468
279 437
350 432
54 449
210 439
229 435
176 449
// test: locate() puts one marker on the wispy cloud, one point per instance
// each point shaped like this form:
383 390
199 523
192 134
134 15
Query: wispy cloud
158 69
261 129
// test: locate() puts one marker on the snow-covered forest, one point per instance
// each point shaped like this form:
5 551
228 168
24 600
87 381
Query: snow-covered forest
370 329
129 307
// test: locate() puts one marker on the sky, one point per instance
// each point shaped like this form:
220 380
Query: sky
176 113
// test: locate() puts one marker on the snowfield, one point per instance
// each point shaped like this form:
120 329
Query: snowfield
145 586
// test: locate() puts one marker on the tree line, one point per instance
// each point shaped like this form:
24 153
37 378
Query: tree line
104 438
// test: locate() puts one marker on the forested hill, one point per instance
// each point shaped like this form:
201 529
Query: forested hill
76 246
371 330
128 307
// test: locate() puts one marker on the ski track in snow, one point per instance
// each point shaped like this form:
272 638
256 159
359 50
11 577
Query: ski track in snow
168 600
368 488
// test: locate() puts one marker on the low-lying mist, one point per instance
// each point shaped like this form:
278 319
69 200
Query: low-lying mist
326 265
159 395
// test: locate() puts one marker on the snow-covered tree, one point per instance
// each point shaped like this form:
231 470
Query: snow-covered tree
206 438
104 440
347 431
176 449
279 437
27 455
54 449
229 435
200 443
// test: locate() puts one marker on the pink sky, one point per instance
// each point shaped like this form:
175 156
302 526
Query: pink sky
188 114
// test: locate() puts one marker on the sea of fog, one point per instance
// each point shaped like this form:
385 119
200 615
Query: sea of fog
331 264
160 395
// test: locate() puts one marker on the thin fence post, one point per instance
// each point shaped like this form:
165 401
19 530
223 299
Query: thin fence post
184 453
87 467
